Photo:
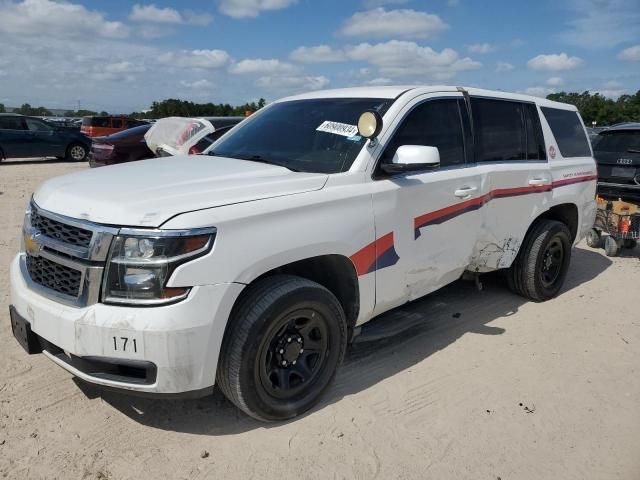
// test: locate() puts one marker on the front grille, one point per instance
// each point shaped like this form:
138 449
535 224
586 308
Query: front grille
60 231
54 276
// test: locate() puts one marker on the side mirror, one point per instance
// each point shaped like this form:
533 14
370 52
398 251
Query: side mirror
412 158
369 124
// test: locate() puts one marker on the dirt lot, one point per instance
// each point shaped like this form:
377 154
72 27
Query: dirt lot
482 385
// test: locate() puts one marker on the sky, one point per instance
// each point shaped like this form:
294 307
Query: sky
120 56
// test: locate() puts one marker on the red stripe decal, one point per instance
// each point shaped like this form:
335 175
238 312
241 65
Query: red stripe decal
452 211
365 259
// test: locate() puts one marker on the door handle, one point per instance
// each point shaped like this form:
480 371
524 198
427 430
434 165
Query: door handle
465 192
535 182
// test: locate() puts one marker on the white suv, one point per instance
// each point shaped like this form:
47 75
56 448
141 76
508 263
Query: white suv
250 266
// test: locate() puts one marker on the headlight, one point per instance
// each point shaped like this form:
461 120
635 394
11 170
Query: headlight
141 262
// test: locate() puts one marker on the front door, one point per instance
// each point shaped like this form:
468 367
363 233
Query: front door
427 222
44 141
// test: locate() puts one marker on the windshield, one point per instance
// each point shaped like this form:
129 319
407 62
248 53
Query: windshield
620 141
318 135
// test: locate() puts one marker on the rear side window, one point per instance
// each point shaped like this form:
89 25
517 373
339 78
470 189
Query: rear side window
568 131
133 123
96 122
621 141
535 140
499 130
435 123
11 123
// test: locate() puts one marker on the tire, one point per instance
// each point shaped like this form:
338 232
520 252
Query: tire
275 316
610 247
541 266
629 243
594 239
77 152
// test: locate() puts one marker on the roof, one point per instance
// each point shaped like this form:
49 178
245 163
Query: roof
10 115
392 92
623 126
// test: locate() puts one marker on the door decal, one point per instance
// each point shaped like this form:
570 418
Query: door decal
452 211
378 254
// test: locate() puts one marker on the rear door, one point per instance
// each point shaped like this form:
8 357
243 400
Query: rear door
510 151
427 222
14 138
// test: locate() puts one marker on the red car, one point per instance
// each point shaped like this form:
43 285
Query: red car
126 146
129 146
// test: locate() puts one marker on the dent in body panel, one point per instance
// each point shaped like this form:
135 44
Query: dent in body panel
494 255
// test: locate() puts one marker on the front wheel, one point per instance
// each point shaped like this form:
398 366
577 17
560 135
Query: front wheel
281 349
540 268
76 152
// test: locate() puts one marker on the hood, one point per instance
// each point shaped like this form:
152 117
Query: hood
149 192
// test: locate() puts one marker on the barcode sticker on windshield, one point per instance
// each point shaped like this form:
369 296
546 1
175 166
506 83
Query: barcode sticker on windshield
338 128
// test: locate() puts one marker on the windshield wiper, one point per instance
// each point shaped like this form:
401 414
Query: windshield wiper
258 159
633 150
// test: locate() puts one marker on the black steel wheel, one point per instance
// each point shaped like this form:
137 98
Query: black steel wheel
629 243
539 270
552 262
284 341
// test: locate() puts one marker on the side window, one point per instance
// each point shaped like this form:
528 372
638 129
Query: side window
568 131
435 123
36 125
11 123
116 123
535 140
499 130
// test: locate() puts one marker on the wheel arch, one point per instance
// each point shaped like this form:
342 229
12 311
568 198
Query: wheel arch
335 272
567 213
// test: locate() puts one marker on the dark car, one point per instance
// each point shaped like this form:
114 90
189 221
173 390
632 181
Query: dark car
617 152
22 137
126 146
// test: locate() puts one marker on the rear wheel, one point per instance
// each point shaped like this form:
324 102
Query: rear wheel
76 152
629 243
540 268
282 347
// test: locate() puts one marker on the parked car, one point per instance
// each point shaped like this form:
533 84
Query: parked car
617 152
208 140
181 135
257 265
102 126
23 137
126 146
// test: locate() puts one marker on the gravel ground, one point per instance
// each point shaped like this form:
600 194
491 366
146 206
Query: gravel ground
481 385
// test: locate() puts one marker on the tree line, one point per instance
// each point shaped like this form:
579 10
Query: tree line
182 108
592 106
604 111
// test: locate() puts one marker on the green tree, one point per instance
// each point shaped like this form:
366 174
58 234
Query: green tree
604 111
2 110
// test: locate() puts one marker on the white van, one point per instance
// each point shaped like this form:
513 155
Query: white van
251 266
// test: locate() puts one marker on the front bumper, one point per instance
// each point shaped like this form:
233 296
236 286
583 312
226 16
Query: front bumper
181 341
